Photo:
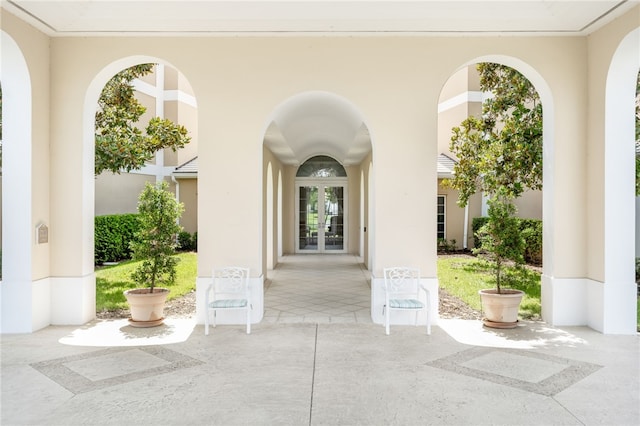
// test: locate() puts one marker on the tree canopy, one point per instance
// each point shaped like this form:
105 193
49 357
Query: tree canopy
502 149
0 126
638 135
120 144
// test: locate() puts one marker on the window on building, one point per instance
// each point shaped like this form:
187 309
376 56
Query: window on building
441 217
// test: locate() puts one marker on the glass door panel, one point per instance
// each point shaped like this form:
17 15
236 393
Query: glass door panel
333 218
321 217
308 218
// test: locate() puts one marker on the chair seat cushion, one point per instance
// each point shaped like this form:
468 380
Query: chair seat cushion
405 304
228 303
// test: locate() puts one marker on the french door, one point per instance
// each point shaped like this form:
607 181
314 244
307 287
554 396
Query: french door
321 217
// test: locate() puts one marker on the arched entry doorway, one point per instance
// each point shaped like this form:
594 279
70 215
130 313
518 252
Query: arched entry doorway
321 207
307 139
319 147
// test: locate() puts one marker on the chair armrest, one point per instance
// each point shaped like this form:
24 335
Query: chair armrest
207 293
427 292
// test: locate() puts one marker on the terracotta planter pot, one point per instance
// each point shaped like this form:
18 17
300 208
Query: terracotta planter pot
501 310
147 309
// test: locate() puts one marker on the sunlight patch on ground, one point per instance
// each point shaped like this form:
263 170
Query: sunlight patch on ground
528 335
110 333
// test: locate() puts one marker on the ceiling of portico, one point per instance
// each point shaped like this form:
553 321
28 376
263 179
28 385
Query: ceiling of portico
143 17
317 123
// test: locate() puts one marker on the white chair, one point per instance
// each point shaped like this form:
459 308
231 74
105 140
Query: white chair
402 293
229 290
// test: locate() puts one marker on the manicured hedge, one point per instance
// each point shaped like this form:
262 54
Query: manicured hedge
187 242
476 224
531 231
532 234
112 236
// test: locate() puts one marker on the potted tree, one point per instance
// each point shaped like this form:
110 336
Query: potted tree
500 242
154 244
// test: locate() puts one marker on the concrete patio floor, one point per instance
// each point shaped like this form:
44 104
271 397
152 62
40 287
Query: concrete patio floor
317 359
319 374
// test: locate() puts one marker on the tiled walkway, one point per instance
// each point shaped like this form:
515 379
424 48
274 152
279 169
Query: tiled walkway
318 289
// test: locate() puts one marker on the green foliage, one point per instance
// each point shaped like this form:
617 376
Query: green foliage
463 277
503 148
113 234
187 242
120 143
476 224
637 108
638 135
532 233
155 241
637 174
0 116
112 281
500 237
447 246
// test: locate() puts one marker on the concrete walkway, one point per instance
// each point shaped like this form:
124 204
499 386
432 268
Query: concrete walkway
319 374
316 359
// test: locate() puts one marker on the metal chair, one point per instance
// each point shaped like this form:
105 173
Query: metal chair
229 290
402 293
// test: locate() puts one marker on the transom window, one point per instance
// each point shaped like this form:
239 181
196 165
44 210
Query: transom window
321 166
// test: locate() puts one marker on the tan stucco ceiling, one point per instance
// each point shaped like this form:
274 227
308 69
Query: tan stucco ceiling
316 123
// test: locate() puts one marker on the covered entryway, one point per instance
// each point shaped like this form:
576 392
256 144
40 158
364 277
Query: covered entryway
318 289
320 145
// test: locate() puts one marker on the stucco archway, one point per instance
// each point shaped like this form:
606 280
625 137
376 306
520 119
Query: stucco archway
308 124
613 302
25 305
548 202
92 94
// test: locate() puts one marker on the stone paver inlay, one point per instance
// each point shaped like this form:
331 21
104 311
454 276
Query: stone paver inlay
529 371
109 367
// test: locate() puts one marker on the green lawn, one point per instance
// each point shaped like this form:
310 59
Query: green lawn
463 277
111 281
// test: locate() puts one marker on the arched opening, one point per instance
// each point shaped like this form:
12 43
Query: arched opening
462 97
362 216
369 219
24 305
279 213
269 219
166 96
317 124
318 145
615 308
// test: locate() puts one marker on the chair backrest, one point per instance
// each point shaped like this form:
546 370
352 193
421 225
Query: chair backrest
231 281
401 280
